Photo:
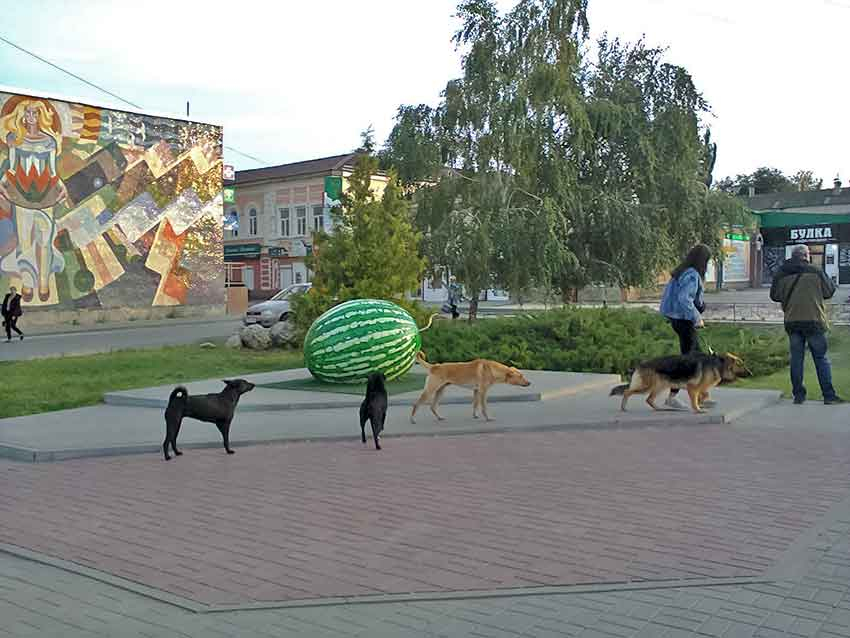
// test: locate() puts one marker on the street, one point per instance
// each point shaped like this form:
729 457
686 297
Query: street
117 338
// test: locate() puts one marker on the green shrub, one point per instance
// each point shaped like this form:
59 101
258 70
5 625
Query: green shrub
594 340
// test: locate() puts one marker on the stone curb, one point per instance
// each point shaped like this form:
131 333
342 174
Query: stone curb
472 594
19 453
126 399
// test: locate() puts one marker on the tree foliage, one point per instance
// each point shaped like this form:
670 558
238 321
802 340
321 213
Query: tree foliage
766 180
372 251
573 164
413 146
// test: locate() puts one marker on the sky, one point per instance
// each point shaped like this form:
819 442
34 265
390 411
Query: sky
292 80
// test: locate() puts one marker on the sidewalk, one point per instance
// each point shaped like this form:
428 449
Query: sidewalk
132 421
737 531
64 329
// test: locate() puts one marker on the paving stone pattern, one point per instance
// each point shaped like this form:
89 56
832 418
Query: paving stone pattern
37 600
484 512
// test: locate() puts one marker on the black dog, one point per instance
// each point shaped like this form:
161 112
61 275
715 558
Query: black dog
212 408
374 407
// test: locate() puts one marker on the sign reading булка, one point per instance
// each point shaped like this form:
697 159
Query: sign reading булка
806 234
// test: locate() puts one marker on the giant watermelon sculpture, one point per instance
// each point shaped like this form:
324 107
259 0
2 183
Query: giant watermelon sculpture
361 336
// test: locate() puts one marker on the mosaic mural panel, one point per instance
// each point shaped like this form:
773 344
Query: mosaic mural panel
102 208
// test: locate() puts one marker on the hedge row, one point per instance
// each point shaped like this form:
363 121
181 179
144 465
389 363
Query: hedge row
594 340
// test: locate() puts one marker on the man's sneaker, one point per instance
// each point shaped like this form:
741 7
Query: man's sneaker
799 400
673 403
834 401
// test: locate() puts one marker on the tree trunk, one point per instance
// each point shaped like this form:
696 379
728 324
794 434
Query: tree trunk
473 307
569 295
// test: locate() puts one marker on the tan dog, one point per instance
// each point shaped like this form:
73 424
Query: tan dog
478 375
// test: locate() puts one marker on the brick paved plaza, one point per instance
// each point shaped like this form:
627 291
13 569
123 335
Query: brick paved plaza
538 533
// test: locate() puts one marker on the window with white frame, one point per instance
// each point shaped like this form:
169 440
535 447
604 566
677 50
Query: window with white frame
252 222
301 221
284 222
318 218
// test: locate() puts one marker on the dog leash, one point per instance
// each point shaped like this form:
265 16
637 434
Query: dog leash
705 344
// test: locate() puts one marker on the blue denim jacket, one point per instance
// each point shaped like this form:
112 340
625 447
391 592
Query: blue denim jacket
682 296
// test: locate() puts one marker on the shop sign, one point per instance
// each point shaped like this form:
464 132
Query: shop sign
229 194
277 251
333 191
737 237
811 234
242 250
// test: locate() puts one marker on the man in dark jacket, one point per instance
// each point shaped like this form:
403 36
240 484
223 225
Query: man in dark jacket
801 289
11 311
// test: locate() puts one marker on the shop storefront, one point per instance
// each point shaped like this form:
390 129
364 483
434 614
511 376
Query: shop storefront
267 269
736 269
249 256
827 236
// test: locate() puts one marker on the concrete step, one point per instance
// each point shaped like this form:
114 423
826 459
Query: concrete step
545 386
110 430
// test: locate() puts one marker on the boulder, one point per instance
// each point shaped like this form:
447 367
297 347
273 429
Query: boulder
255 337
234 341
282 334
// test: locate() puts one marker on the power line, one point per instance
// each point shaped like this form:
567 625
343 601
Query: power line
251 157
100 88
73 75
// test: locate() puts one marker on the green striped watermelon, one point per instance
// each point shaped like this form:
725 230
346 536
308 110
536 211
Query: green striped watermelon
361 336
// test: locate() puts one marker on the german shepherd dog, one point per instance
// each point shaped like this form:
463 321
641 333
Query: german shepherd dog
212 408
697 372
374 407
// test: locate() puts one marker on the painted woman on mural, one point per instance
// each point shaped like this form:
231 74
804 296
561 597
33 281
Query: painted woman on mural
31 185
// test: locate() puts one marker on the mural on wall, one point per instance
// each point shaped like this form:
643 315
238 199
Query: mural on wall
102 208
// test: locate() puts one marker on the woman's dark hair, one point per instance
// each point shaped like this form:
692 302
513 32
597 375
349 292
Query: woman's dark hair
696 258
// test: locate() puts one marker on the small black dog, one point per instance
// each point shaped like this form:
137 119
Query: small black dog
212 408
374 407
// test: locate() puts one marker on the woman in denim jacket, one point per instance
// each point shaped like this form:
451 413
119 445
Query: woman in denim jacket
683 305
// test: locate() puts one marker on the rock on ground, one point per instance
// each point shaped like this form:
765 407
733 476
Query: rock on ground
255 337
234 341
282 334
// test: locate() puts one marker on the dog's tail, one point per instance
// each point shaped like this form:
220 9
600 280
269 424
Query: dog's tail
178 394
619 390
430 321
420 357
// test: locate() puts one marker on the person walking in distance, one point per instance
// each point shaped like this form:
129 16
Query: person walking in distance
802 288
454 296
11 312
682 304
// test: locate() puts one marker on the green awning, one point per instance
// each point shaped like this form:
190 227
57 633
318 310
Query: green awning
779 219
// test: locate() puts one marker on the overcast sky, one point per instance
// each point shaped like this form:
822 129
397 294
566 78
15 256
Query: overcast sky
293 80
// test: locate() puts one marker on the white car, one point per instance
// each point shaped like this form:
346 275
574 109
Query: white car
268 313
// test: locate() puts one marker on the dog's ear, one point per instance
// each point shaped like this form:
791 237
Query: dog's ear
228 382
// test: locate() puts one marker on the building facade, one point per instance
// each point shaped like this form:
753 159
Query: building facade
279 210
819 219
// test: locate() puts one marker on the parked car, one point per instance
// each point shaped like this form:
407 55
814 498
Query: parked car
275 309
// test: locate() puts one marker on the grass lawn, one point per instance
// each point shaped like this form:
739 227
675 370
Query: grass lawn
44 385
839 355
576 340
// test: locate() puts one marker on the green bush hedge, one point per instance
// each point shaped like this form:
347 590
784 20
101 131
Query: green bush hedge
594 340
